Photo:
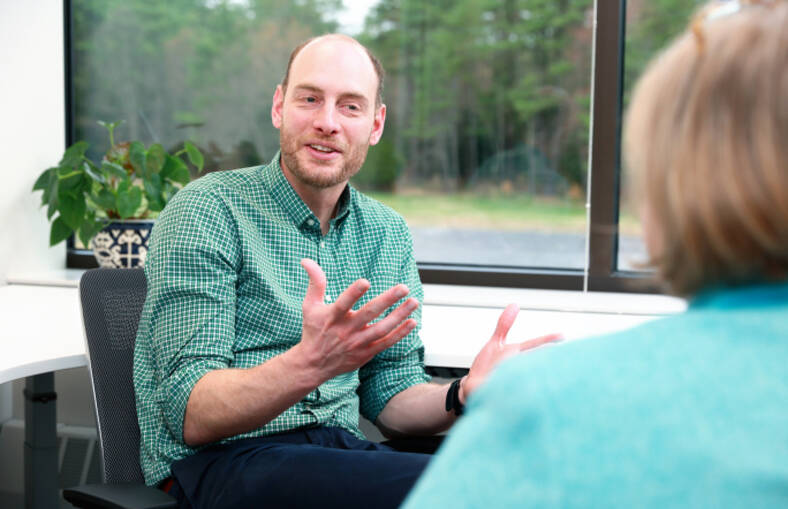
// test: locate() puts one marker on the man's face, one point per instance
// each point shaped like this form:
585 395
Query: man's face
327 117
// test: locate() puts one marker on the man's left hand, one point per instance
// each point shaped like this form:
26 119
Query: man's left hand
497 350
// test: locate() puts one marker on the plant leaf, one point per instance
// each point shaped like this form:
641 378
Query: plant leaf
195 156
59 232
169 191
51 195
71 207
129 199
42 183
69 180
74 154
137 157
88 229
113 170
92 172
108 125
153 190
144 208
154 159
175 170
104 199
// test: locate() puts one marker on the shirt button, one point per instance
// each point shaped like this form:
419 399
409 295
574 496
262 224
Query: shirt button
322 244
328 298
310 222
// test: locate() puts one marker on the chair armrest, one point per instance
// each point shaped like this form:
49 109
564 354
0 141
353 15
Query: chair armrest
118 496
424 445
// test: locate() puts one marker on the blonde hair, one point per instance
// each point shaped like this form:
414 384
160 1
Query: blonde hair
707 139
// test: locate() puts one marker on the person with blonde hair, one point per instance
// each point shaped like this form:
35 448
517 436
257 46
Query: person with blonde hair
690 410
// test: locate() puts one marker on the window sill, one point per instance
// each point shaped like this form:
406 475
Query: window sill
458 320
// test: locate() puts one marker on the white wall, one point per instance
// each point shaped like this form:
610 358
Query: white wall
32 128
32 138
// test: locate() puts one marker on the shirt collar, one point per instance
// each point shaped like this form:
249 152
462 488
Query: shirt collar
289 200
753 295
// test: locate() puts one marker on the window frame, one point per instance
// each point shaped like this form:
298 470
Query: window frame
603 191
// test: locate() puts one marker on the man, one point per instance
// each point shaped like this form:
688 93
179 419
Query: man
250 371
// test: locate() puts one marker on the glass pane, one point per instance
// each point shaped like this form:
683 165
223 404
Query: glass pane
486 142
650 26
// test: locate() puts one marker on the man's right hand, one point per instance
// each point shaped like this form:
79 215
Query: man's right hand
335 339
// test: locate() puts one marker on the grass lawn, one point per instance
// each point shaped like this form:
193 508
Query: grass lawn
501 212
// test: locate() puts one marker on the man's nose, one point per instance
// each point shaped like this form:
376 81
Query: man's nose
326 120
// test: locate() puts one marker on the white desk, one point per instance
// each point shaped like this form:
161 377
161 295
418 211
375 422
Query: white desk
42 333
42 330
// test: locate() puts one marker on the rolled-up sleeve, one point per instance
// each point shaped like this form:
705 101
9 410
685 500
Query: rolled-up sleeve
190 310
402 365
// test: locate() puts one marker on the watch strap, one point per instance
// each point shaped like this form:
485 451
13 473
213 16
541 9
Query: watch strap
453 398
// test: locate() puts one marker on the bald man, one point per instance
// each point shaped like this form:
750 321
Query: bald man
282 303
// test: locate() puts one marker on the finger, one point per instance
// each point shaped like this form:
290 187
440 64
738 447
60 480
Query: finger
316 291
542 340
505 322
386 325
392 337
379 304
350 296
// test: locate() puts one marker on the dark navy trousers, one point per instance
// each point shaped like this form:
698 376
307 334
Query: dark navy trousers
321 467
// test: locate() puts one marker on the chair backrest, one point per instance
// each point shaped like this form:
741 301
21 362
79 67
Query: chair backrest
112 302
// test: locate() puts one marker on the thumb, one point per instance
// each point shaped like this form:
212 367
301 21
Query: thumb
316 291
543 340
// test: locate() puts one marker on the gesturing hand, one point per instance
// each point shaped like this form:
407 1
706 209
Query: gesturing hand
497 350
335 339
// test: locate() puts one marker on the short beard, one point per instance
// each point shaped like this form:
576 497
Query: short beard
320 180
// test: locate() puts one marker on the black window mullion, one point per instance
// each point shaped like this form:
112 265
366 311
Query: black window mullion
67 62
605 188
506 277
606 130
75 258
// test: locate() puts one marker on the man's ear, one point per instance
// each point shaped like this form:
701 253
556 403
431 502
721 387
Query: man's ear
377 125
276 107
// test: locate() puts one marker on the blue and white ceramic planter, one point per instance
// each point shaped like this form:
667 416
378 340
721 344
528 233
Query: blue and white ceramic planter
123 244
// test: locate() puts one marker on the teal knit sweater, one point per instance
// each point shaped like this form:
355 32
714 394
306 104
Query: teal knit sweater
686 411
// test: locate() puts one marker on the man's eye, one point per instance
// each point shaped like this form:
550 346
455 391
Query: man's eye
353 107
310 99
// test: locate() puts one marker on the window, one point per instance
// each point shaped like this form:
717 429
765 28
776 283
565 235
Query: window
490 112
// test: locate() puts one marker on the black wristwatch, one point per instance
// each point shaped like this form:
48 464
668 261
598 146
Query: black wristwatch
453 398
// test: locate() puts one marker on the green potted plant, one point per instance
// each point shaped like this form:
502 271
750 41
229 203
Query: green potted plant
111 204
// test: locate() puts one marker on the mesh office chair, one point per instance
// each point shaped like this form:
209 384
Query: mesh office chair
112 302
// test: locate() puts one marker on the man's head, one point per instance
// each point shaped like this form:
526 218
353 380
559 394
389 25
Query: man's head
328 111
706 138
379 71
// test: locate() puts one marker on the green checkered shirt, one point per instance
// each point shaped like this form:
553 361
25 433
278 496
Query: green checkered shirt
225 289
